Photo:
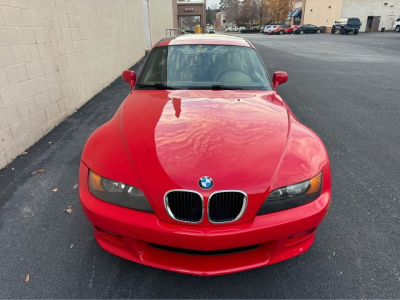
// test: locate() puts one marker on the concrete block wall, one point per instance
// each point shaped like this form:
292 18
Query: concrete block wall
57 54
160 19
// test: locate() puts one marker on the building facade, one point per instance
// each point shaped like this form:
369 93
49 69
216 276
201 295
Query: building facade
56 55
190 13
296 12
220 21
374 14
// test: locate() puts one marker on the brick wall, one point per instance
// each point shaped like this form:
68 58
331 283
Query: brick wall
56 54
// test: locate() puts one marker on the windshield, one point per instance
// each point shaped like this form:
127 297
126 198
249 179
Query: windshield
203 67
353 21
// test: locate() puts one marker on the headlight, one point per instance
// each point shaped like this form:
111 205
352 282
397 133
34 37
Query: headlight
292 196
118 193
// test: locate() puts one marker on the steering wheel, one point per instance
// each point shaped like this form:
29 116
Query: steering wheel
229 70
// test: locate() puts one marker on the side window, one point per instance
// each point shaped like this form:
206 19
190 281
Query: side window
157 66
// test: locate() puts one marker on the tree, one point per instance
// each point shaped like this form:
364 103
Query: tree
231 8
276 10
211 13
248 12
260 11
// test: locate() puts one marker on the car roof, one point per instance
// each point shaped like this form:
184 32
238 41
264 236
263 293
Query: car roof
205 39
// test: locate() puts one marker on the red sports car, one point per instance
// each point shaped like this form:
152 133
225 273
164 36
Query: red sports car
291 29
204 169
280 29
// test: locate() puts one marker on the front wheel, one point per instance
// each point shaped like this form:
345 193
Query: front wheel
301 32
281 32
318 31
333 31
341 31
355 31
397 29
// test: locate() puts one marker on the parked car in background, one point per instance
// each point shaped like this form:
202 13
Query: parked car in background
268 28
271 32
397 25
235 29
211 30
308 28
280 29
242 28
346 25
291 29
265 29
228 29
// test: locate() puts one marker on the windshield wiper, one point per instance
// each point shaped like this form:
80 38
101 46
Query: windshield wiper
224 87
158 86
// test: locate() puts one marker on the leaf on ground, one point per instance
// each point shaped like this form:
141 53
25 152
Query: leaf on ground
71 246
27 278
75 186
25 153
55 190
37 171
334 253
69 209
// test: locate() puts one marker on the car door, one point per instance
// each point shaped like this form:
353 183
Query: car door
312 29
304 28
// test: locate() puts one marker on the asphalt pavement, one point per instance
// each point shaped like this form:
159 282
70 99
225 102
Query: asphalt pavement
346 88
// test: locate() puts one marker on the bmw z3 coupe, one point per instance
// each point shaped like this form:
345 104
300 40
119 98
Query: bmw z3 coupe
204 169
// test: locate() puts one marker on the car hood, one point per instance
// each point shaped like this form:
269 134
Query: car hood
164 140
174 138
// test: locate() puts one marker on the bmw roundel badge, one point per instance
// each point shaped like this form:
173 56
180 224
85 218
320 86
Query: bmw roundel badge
206 182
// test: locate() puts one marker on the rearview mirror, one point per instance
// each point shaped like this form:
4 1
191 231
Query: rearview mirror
130 77
279 78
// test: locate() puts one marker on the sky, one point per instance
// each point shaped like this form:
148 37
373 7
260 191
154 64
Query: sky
210 3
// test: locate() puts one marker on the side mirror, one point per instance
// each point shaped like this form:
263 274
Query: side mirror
279 78
130 77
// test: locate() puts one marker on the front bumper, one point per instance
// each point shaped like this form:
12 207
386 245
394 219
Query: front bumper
130 234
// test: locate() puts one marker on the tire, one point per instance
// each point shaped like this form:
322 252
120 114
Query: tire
397 29
342 31
301 32
346 32
318 31
281 32
333 31
355 31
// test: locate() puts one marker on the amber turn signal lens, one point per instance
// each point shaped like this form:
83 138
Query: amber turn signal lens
95 181
315 184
